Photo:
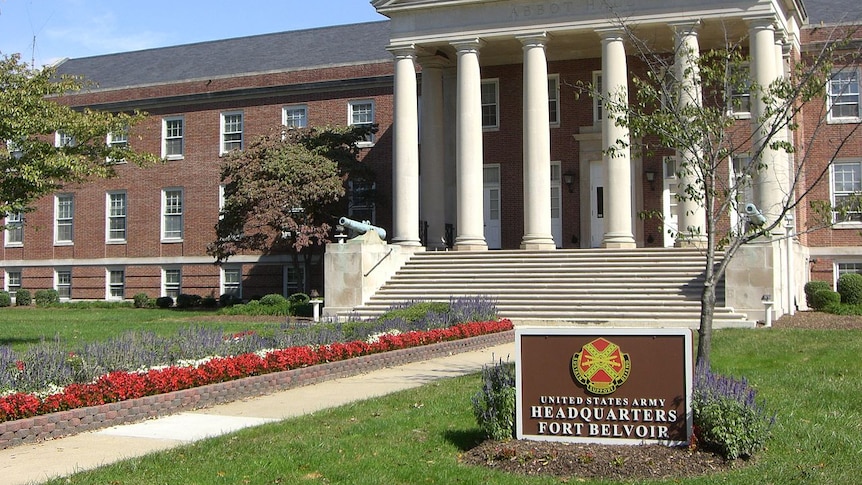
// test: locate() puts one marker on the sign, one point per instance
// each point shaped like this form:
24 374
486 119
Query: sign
604 385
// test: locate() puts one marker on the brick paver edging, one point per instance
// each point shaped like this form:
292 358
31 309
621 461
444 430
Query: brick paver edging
65 423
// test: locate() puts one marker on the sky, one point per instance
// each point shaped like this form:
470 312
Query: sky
84 28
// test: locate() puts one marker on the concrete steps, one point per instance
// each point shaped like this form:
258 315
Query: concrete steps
608 286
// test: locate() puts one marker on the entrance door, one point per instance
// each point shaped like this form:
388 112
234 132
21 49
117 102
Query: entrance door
556 205
670 204
491 204
597 203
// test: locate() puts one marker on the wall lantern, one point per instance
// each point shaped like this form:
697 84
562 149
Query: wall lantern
569 180
650 176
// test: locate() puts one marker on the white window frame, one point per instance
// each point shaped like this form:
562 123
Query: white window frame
63 282
12 274
172 135
171 212
113 213
832 83
118 140
64 220
14 233
227 284
598 105
835 194
63 140
358 115
733 95
554 111
172 286
111 285
489 105
288 119
231 132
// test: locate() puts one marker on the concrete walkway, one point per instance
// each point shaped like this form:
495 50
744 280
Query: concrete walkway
36 463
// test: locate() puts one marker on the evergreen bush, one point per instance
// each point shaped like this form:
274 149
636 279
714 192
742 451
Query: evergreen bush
23 298
142 300
164 302
5 299
46 297
850 288
825 298
273 299
188 301
812 287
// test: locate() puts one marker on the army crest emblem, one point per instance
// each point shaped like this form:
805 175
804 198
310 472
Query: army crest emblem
601 366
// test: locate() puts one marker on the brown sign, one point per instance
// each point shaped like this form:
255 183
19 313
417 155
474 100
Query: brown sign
604 385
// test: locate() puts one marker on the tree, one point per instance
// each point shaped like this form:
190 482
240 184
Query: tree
31 165
688 109
282 192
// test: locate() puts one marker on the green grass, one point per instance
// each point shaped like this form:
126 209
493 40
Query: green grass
20 327
811 379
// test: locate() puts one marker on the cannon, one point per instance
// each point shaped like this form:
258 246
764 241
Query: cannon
362 227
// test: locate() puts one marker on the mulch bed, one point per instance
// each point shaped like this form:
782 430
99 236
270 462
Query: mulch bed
622 462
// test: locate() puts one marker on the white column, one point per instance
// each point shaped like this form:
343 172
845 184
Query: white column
768 190
431 156
470 230
692 215
405 164
618 170
537 147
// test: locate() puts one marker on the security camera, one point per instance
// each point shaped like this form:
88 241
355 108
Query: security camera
755 217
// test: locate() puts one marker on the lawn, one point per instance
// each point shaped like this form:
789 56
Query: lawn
20 327
809 378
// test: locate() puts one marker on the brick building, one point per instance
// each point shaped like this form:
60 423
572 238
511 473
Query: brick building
147 230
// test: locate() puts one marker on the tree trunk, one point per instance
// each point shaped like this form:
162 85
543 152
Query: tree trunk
707 311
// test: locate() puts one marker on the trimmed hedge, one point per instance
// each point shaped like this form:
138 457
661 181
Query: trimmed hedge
812 287
850 288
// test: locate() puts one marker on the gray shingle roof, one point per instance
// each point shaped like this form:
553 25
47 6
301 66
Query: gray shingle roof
832 11
284 51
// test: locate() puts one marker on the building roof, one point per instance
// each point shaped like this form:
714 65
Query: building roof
833 11
284 51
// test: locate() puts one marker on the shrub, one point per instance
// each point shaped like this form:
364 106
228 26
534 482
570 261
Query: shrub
142 300
850 288
188 301
47 297
494 405
227 299
298 299
415 311
5 299
209 302
812 287
727 418
164 302
23 298
273 299
824 298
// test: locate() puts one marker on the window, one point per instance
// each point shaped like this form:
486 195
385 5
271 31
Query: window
116 210
231 282
119 141
360 204
63 283
740 92
843 96
171 282
295 116
13 282
64 210
598 105
845 268
846 190
231 132
362 114
490 104
15 229
172 138
172 215
64 140
554 99
294 280
116 284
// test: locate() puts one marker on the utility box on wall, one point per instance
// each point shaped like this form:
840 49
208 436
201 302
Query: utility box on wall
604 385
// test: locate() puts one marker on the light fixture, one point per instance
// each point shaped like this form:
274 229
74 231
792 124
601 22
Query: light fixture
650 176
569 180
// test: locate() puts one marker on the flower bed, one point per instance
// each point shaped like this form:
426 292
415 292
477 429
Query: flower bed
122 397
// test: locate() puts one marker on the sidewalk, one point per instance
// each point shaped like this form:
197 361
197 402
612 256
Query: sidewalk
35 463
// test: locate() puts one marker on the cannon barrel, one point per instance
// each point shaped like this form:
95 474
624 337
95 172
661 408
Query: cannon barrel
362 227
